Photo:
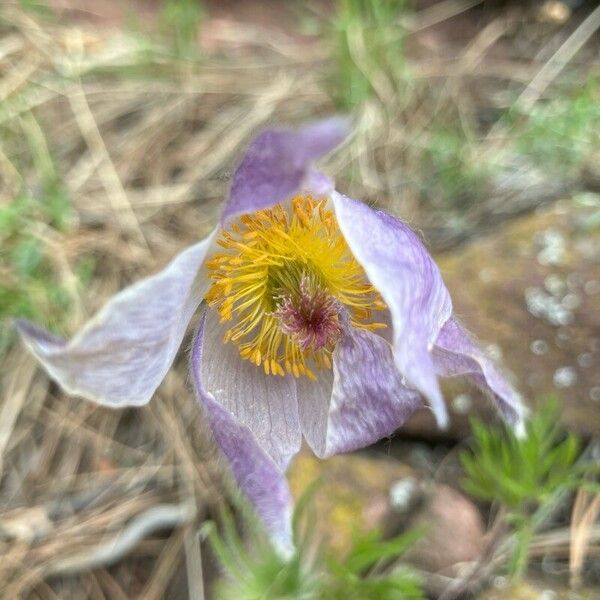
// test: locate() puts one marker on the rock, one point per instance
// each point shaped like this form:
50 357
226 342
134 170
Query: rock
365 494
531 293
358 493
554 12
454 529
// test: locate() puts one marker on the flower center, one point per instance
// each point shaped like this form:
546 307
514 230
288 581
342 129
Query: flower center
311 317
283 281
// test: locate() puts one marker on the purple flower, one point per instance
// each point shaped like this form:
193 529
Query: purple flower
321 317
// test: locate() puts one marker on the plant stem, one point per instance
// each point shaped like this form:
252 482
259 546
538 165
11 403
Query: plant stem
520 558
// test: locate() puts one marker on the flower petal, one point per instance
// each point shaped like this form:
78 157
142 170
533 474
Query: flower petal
277 162
366 401
455 353
260 479
122 354
399 266
318 184
266 404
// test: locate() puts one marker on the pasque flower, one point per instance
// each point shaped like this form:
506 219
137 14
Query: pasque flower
320 317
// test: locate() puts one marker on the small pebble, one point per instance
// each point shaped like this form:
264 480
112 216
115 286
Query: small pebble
552 250
556 13
543 305
554 284
402 492
539 347
565 377
462 404
585 360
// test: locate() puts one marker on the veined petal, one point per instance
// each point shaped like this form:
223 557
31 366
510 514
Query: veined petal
399 266
261 480
266 404
122 354
277 163
361 402
455 353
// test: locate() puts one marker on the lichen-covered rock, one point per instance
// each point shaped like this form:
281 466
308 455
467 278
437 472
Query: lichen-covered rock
362 494
356 494
531 291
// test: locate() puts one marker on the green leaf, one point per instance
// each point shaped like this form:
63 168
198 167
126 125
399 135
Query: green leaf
368 549
517 472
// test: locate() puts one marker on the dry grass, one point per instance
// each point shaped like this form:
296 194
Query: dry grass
104 504
91 499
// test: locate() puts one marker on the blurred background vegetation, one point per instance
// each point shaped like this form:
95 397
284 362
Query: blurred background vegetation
478 122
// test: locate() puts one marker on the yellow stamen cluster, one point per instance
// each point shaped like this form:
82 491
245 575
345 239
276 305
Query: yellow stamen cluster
266 256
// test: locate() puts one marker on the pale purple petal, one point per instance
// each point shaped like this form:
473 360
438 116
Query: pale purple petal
122 354
399 266
266 404
455 353
278 161
363 401
260 479
318 184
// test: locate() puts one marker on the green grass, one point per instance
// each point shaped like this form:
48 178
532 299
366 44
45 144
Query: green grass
30 286
452 171
524 474
518 471
254 570
450 164
37 7
351 576
561 133
368 50
180 22
443 167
